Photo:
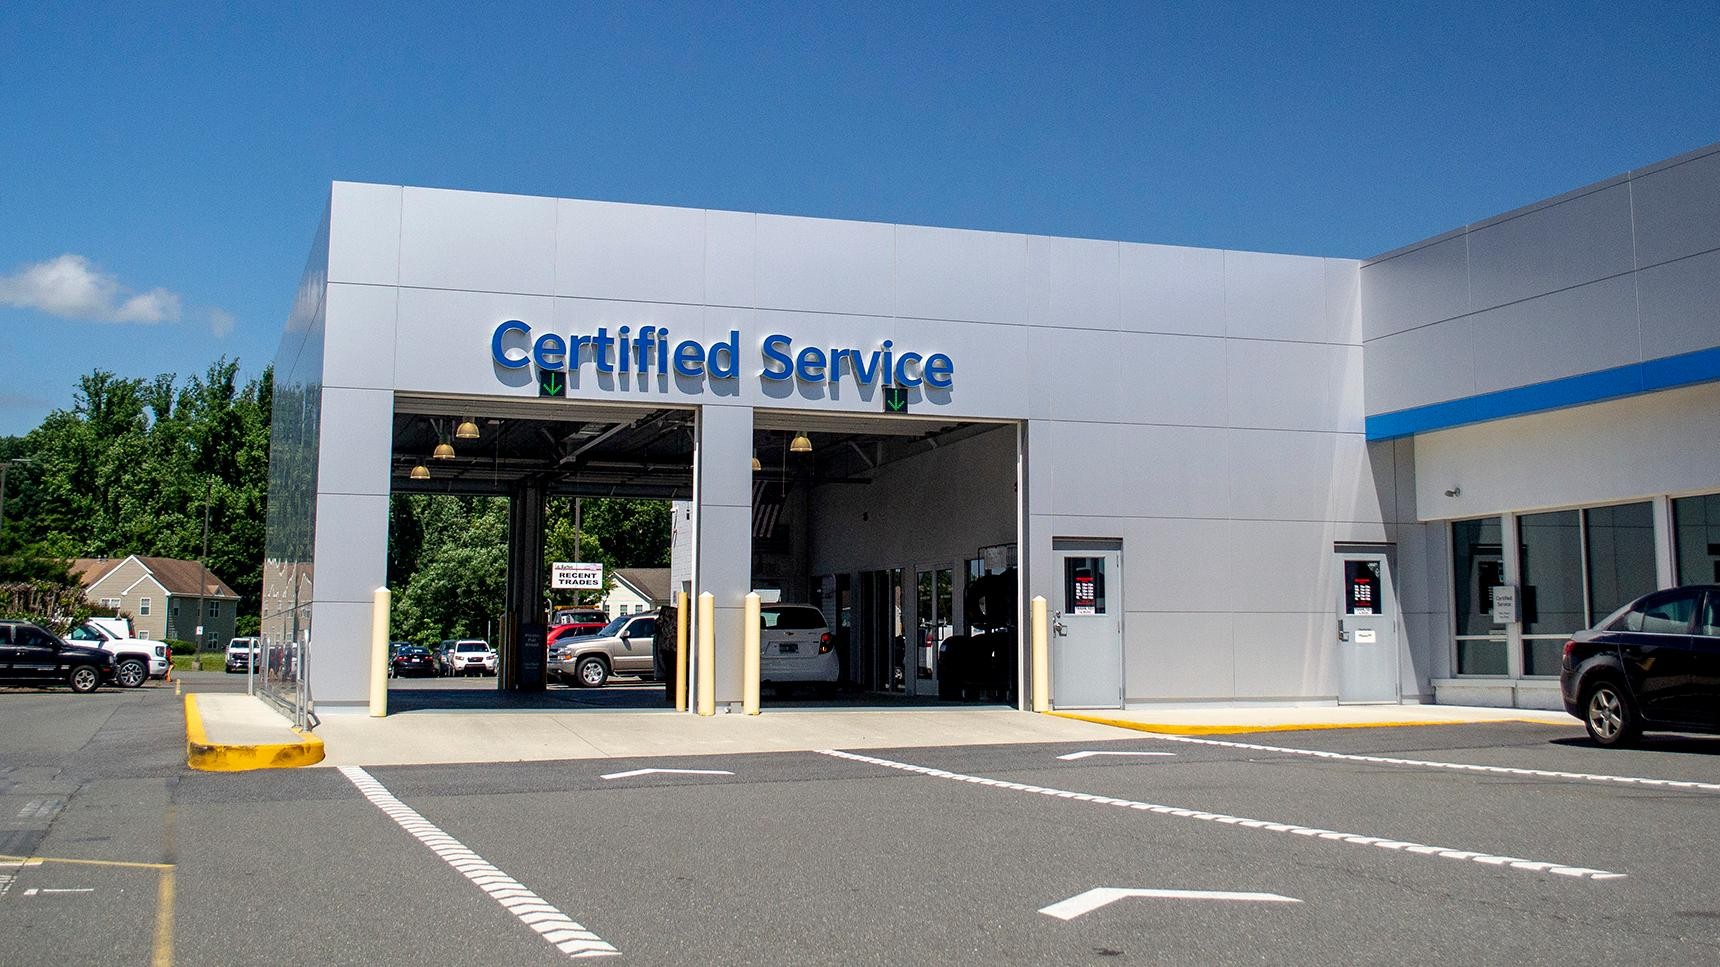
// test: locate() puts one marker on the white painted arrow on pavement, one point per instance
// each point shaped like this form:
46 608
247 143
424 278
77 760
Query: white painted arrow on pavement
1100 896
690 772
1087 755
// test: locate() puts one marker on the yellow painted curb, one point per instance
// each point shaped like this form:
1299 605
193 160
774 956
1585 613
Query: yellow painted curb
1169 729
208 756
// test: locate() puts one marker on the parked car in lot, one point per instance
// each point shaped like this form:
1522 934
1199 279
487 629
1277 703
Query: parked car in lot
795 647
576 629
32 655
1653 664
241 652
467 656
624 646
136 660
411 661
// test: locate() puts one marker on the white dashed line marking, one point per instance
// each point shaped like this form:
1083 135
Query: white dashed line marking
543 918
1532 866
1456 766
1085 903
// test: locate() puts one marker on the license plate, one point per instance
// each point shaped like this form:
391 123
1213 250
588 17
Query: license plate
787 648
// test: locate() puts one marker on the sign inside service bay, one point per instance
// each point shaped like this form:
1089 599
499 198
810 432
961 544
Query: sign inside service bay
652 351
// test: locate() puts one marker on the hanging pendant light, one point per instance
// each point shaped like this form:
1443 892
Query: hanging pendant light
800 444
466 431
444 451
756 465
421 472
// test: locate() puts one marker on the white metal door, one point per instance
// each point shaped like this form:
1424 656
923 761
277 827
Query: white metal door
1367 630
1087 630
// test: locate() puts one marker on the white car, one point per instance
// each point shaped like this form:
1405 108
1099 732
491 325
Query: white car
135 660
795 647
469 656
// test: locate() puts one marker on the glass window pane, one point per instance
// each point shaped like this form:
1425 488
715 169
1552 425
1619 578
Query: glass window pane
1621 556
1696 533
1551 602
1481 658
1477 566
1362 588
1668 616
1710 623
1083 585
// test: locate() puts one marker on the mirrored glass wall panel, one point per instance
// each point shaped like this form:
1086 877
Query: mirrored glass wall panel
1551 601
1696 527
1620 543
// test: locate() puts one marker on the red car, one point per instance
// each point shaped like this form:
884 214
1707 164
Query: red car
575 629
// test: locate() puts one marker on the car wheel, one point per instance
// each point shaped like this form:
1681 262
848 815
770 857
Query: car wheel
1609 716
84 679
592 672
131 673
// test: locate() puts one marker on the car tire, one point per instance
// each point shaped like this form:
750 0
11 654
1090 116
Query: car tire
591 672
84 679
1609 714
130 673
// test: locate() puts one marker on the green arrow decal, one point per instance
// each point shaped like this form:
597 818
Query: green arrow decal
896 402
553 387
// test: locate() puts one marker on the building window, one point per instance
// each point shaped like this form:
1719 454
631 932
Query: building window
111 603
214 609
1620 545
1696 535
143 607
172 607
1551 604
1477 567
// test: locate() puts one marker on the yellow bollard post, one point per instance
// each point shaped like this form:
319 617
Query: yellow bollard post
749 651
707 654
1041 658
681 643
379 653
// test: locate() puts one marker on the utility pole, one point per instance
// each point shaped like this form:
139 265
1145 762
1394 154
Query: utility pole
203 569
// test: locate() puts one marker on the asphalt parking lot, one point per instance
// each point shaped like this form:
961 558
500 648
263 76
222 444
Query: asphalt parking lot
1503 843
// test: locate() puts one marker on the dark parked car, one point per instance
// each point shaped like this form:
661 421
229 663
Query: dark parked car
1653 664
32 655
412 660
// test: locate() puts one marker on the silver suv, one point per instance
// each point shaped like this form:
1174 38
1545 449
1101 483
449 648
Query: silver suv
623 647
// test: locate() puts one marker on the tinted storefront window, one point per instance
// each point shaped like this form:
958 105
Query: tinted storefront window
1477 566
1621 556
1696 527
1552 596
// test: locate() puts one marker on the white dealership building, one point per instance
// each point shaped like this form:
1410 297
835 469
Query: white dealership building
1236 477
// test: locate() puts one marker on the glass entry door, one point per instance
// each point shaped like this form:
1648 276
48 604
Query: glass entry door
934 618
881 664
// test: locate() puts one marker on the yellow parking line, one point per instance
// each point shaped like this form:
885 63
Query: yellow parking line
163 956
32 860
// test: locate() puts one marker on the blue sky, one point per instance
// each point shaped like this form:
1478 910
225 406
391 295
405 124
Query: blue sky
163 166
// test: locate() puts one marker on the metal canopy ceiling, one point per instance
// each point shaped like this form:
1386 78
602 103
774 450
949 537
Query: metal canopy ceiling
589 449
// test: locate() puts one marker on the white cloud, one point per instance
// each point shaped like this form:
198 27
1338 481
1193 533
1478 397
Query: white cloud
221 323
72 287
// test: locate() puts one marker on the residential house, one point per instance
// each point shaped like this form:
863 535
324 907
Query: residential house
167 599
637 589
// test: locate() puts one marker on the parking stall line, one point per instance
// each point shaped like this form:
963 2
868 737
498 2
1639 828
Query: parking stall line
539 915
1452 766
1395 845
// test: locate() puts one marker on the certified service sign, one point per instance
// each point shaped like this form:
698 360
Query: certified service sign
579 577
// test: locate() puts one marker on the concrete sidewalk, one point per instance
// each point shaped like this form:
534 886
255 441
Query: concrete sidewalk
421 738
1222 721
238 733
